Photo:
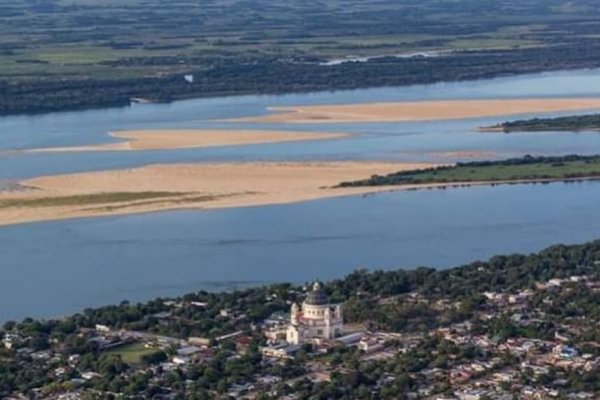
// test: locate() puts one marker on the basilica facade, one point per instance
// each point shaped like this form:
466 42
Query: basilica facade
315 318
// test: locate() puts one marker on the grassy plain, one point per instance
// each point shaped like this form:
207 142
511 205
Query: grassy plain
131 353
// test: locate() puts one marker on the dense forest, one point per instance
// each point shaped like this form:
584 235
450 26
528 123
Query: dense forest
527 168
570 123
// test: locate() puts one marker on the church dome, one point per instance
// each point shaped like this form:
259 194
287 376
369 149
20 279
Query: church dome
317 296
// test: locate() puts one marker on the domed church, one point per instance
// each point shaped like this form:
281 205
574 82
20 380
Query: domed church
315 319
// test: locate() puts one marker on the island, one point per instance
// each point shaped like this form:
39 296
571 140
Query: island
207 186
573 123
517 170
162 187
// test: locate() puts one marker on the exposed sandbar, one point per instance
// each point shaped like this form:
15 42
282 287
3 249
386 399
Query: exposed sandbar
168 187
422 110
193 138
463 154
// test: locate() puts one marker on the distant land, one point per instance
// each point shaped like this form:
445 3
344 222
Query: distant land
149 51
526 169
570 123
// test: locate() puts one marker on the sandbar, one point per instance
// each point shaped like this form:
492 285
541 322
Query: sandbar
184 186
172 139
421 110
463 154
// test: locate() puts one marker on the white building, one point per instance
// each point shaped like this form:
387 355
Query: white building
315 318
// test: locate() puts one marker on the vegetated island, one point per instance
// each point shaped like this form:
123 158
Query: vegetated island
570 123
516 170
184 186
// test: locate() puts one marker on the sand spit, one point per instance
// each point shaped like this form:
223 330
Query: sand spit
192 138
183 186
463 154
422 110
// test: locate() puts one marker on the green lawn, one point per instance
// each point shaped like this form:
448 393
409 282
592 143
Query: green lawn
132 353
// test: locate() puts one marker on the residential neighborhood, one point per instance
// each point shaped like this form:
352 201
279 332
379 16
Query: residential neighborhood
530 343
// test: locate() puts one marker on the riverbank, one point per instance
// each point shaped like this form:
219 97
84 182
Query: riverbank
421 110
172 139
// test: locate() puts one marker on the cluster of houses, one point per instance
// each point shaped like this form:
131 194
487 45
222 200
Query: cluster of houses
318 324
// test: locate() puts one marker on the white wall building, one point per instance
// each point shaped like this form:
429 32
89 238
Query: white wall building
315 318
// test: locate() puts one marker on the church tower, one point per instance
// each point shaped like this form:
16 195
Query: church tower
315 319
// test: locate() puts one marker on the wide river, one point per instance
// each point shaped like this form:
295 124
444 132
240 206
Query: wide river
54 268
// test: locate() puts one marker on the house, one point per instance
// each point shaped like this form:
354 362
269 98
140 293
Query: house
188 351
565 352
90 375
102 328
281 351
198 341
12 340
370 344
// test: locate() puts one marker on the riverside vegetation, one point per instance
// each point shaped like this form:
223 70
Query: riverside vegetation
528 168
569 123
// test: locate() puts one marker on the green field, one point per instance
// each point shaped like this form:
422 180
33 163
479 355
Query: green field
81 38
132 353
523 169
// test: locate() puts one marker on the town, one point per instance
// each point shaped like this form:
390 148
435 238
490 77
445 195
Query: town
530 333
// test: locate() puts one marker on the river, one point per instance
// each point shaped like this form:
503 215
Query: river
55 268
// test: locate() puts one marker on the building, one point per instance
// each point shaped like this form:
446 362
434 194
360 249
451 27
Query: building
315 318
280 351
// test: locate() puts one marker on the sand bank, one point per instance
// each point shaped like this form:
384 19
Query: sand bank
464 154
194 138
422 110
169 187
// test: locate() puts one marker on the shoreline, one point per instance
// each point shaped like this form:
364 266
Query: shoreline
178 139
224 197
125 103
500 129
417 111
